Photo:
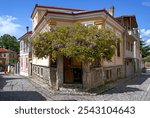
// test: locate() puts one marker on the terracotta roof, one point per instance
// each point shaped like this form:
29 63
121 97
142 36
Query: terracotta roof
130 18
53 7
3 50
80 13
84 12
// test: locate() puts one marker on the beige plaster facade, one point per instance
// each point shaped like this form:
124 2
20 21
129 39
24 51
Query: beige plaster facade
44 16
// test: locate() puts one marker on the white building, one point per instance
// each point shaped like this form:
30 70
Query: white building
25 53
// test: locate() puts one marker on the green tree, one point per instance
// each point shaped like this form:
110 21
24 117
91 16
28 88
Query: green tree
9 42
145 50
85 43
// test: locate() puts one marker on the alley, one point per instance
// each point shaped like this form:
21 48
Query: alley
137 89
16 88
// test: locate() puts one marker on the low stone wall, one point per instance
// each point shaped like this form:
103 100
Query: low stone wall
117 72
92 78
98 76
52 78
47 75
41 73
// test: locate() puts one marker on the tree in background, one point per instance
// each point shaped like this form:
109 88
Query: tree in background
145 49
9 42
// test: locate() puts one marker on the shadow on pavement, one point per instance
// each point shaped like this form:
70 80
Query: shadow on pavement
17 95
139 80
21 96
5 78
128 86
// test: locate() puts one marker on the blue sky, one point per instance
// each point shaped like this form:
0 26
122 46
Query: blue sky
15 14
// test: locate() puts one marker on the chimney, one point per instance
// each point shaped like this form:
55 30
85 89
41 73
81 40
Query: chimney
111 10
27 28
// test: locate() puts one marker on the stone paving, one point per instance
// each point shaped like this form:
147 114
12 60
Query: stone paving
16 88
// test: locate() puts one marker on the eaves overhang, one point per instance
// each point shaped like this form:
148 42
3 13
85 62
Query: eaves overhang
77 16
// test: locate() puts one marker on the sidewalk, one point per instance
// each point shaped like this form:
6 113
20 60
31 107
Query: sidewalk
1 73
92 92
111 85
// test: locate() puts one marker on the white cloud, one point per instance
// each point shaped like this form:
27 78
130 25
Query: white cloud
146 4
145 33
148 41
8 25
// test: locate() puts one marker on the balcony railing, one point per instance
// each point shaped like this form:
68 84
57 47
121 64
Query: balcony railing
134 33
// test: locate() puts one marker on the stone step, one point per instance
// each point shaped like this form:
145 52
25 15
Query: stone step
73 86
72 89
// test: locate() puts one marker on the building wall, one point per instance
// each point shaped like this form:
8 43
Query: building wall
8 56
147 64
41 61
102 75
129 67
24 56
111 70
41 73
130 50
24 64
117 60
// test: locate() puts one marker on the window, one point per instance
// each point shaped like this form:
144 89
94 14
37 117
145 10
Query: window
89 23
54 63
41 71
21 62
127 63
128 46
21 46
24 46
26 62
35 69
131 47
38 70
4 55
108 74
118 49
118 72
27 47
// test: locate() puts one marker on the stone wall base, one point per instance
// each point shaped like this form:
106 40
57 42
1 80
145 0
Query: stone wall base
94 77
99 76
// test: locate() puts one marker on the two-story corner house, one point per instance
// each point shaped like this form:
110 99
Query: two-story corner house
25 53
132 58
69 71
7 58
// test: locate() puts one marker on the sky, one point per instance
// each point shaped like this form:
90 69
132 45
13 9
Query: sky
15 15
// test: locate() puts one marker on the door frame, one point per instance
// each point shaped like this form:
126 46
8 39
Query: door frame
72 70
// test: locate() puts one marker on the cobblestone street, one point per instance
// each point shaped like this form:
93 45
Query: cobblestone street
15 88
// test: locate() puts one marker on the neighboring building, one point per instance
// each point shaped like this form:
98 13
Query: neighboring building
132 57
147 65
7 58
69 71
25 53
